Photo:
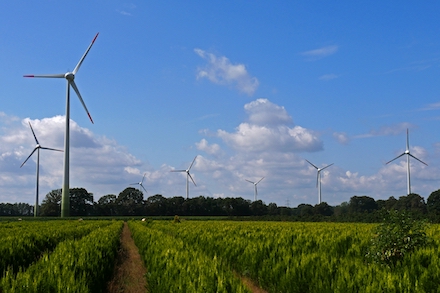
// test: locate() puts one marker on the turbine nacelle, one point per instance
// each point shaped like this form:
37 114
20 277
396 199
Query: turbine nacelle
69 76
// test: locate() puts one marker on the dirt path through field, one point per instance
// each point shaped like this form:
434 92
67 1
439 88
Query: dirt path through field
250 284
129 273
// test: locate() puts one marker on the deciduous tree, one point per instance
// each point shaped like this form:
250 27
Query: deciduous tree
130 202
50 207
433 203
81 202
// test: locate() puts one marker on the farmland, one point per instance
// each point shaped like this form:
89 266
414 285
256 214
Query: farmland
210 256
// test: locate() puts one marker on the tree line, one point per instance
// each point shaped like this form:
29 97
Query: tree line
131 202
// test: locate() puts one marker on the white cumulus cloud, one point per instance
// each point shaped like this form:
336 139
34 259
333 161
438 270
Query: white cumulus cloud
341 137
269 129
263 112
212 149
221 71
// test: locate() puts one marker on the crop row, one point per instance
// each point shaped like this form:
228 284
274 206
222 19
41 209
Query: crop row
307 257
82 265
23 243
175 266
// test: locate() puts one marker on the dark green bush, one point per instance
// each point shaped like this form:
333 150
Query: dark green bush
398 235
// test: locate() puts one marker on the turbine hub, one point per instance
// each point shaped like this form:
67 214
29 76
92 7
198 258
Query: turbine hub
69 76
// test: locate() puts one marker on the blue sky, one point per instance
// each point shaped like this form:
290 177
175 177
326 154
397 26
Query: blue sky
252 88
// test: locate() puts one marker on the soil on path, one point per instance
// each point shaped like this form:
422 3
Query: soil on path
129 272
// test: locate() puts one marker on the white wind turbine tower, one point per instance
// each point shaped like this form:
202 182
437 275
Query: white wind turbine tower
408 154
318 178
70 77
37 148
255 187
141 184
188 175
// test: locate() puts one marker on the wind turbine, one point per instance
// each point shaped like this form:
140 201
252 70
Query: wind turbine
70 77
188 175
141 183
37 148
255 187
408 154
318 178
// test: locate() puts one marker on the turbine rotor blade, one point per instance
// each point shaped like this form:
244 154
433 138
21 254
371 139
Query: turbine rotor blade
50 149
418 159
29 157
191 178
178 171
327 166
394 159
249 181
84 56
61 75
72 83
259 180
317 178
312 164
143 187
407 139
143 179
192 163
36 140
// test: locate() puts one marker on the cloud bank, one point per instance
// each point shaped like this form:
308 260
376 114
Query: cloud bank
267 143
96 162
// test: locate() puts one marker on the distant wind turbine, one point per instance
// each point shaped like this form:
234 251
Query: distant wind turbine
318 178
255 187
188 175
140 183
408 154
37 148
70 77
